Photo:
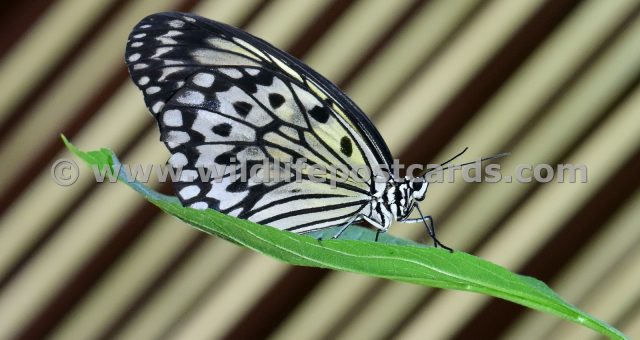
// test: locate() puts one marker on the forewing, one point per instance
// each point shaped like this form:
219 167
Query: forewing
222 97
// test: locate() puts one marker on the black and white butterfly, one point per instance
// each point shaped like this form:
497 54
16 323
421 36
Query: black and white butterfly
221 95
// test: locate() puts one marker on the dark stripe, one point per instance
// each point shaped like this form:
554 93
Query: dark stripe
384 41
338 218
309 211
315 30
45 320
485 84
250 213
567 244
442 46
277 303
49 81
474 324
42 159
572 237
16 18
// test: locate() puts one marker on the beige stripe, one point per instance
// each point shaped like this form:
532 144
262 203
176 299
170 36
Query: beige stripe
485 21
592 265
409 47
126 280
54 111
366 21
299 14
63 255
539 79
171 301
322 309
632 326
52 200
611 299
526 231
229 12
43 47
436 85
562 125
118 110
222 307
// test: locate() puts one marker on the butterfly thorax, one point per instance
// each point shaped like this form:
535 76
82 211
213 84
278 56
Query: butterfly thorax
396 200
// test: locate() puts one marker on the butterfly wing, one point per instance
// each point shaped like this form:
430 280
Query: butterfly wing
222 96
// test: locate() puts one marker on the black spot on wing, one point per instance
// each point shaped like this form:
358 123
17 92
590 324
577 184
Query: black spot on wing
320 113
223 129
250 82
242 108
276 100
226 158
237 186
346 146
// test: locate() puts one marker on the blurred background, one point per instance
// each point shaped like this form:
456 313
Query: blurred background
551 81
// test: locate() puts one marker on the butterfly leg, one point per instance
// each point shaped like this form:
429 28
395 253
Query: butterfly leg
345 226
378 232
431 230
380 228
415 220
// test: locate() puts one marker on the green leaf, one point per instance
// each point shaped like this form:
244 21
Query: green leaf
393 258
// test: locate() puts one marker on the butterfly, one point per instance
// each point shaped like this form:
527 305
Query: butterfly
222 96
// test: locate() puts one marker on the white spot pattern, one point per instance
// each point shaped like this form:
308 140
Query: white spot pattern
143 80
189 192
203 79
188 175
252 71
199 206
167 38
178 137
134 57
161 50
206 123
152 90
157 106
176 23
172 118
169 70
190 97
178 160
231 72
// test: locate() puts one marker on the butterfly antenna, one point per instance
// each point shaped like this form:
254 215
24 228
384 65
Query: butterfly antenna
426 171
484 159
454 157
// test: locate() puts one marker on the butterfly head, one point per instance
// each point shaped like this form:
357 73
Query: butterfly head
401 195
419 188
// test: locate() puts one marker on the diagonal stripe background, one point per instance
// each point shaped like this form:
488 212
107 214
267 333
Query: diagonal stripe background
551 81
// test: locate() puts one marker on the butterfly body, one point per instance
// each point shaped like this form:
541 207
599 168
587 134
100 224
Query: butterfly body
222 96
